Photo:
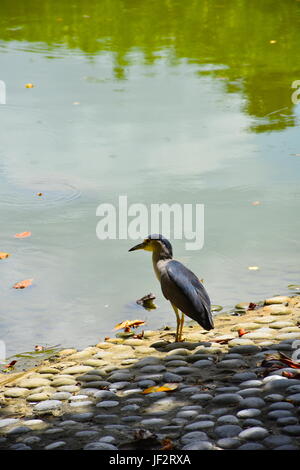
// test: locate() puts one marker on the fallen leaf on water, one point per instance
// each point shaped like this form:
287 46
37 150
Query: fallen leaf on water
9 366
160 388
242 332
23 235
4 255
23 284
253 268
29 85
127 324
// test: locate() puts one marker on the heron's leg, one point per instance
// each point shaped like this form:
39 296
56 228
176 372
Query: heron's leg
181 326
178 321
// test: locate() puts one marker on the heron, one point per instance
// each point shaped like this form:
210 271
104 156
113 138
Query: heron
179 285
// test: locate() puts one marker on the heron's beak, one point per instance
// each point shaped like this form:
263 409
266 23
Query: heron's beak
140 246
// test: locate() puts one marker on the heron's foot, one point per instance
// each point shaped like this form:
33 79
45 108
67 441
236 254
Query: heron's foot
180 339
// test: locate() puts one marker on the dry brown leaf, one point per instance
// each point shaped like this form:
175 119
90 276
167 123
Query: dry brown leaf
127 324
23 235
23 284
4 255
169 387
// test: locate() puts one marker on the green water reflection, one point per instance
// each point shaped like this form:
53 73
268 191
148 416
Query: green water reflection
257 42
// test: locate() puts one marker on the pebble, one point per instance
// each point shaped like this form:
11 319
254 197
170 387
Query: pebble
231 364
248 413
194 436
38 397
16 392
80 404
201 398
81 416
33 383
228 419
202 445
20 446
292 430
31 440
153 422
171 377
55 445
228 430
86 434
100 446
227 399
251 446
277 440
19 430
7 422
61 396
253 434
253 402
107 404
295 398
243 376
279 414
250 392
228 443
47 405
200 425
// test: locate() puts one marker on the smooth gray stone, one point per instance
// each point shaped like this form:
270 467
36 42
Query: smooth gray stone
202 398
153 422
251 422
227 399
231 364
48 405
119 385
153 369
145 383
107 404
274 397
148 361
187 414
130 419
292 430
20 446
295 398
226 389
277 440
275 414
253 402
253 434
106 419
184 370
199 426
228 430
203 363
250 392
132 407
189 389
228 443
278 385
245 349
293 389
251 383
228 419
7 422
287 447
248 413
61 396
202 445
31 440
86 434
177 363
80 404
68 423
243 376
100 446
221 411
108 439
251 446
19 430
281 405
171 377
120 377
287 421
55 445
195 436
81 416
105 394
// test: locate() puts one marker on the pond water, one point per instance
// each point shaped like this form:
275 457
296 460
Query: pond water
162 101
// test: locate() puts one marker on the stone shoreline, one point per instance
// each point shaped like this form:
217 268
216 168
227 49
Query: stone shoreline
223 397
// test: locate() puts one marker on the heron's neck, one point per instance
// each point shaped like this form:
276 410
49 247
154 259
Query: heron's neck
160 259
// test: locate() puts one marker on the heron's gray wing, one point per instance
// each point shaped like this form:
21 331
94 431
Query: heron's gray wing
183 289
